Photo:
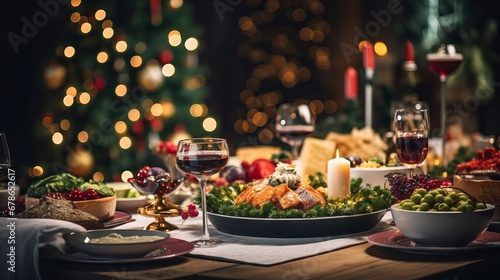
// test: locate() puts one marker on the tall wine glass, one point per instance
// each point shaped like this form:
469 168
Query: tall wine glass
293 124
444 62
203 157
4 158
411 127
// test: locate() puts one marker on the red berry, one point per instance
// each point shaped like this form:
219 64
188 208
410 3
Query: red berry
90 194
193 213
184 215
191 207
75 195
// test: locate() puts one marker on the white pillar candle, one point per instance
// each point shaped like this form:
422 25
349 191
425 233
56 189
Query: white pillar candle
338 177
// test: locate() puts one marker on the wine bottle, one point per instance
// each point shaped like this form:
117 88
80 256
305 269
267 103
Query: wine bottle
408 90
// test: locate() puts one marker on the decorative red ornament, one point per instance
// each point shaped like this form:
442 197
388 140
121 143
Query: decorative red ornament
351 83
99 83
166 56
156 124
137 127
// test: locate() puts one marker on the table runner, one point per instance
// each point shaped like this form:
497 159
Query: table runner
258 250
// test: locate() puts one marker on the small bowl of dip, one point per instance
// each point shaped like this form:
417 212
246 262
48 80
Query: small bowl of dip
116 243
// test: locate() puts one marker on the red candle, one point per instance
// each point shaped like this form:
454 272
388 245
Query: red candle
351 83
368 56
410 54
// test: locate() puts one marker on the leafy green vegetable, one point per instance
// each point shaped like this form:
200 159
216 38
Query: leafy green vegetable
363 199
101 188
65 183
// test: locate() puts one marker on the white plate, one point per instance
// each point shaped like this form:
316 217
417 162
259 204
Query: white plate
171 247
78 241
396 240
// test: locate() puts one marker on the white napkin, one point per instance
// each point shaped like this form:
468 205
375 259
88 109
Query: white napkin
31 235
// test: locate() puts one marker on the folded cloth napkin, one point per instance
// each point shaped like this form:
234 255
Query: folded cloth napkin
27 237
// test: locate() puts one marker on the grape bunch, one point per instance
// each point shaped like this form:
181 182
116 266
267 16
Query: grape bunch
402 187
191 212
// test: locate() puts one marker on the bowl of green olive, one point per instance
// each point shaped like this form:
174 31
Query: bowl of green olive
441 217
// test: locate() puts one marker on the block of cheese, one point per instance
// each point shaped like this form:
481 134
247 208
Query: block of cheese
252 153
314 157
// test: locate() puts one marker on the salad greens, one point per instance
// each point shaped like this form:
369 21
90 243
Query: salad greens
65 183
363 199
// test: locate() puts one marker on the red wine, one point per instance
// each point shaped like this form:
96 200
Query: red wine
294 134
411 149
202 164
444 65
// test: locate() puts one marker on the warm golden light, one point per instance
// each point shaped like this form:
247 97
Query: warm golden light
361 45
54 128
156 109
107 23
69 52
380 49
75 17
65 124
209 124
196 110
135 61
75 3
126 175
191 44
174 38
120 127
168 70
84 98
68 100
83 136
108 32
57 138
37 171
120 90
134 115
102 57
71 91
168 109
121 46
86 27
100 14
125 142
98 177
175 4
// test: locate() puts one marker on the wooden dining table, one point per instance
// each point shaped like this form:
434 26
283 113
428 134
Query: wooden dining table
359 261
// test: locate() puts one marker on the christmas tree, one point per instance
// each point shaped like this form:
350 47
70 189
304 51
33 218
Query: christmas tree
123 75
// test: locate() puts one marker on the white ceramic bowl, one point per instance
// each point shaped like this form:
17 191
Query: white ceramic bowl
7 195
376 176
126 203
79 241
442 229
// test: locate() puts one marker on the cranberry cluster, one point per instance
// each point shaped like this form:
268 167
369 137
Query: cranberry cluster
191 212
485 160
166 147
75 195
403 187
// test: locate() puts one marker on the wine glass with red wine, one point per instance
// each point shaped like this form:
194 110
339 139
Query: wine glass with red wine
443 63
293 124
203 157
411 127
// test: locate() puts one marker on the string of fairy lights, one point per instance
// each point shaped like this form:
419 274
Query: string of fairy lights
278 34
151 77
276 52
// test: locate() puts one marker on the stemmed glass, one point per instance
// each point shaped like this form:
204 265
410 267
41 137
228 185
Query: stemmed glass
203 157
293 124
411 127
4 157
444 62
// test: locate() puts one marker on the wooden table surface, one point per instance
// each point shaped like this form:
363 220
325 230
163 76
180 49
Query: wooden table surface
363 261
